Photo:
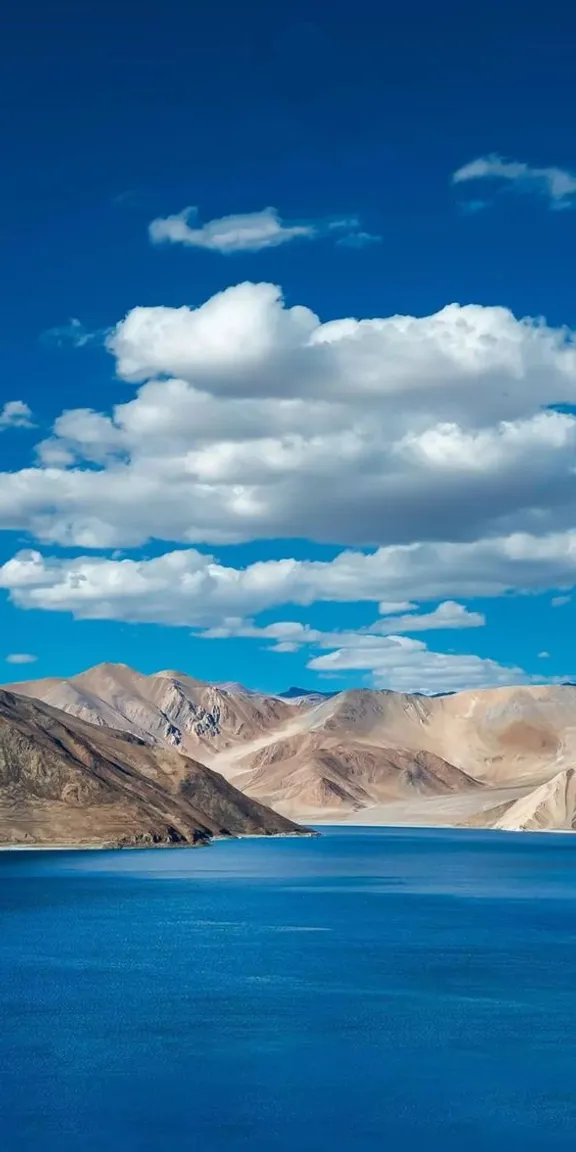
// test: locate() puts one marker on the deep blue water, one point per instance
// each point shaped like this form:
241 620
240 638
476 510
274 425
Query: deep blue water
382 990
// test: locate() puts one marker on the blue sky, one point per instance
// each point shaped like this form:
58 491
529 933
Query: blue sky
241 489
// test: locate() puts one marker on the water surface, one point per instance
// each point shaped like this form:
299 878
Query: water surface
372 989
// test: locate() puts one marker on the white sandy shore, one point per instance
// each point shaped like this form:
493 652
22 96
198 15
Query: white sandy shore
48 847
425 812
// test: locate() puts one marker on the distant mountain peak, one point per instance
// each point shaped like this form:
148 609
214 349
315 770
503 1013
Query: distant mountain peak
294 691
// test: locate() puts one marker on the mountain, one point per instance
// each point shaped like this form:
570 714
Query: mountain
549 807
295 693
169 708
64 781
552 805
361 755
386 757
321 777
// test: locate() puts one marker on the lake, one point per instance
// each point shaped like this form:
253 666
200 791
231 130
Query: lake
370 989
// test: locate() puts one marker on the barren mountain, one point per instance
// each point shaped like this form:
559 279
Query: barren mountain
64 781
549 807
388 757
362 755
169 708
313 772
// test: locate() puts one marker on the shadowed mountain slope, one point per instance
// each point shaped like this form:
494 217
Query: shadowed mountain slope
64 781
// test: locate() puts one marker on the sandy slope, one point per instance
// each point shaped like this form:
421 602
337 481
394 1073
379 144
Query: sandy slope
550 806
476 808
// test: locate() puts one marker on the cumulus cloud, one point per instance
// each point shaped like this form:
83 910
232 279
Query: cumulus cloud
256 420
444 444
187 587
447 615
390 659
20 658
15 414
407 665
250 231
556 185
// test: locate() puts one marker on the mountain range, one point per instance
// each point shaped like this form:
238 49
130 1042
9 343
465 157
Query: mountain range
502 757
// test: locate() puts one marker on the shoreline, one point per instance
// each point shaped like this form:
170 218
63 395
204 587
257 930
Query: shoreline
312 834
449 828
306 834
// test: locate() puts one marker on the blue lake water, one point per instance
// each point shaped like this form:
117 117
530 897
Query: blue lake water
371 989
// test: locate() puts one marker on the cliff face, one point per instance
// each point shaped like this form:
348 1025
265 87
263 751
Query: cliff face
64 781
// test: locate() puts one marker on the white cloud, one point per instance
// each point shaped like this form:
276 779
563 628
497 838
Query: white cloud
407 665
187 587
15 414
559 601
543 655
391 660
343 224
251 231
20 658
446 616
243 232
429 440
556 185
217 347
449 614
255 420
358 240
394 607
380 649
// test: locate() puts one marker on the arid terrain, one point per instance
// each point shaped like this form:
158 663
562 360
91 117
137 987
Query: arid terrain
66 782
500 757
